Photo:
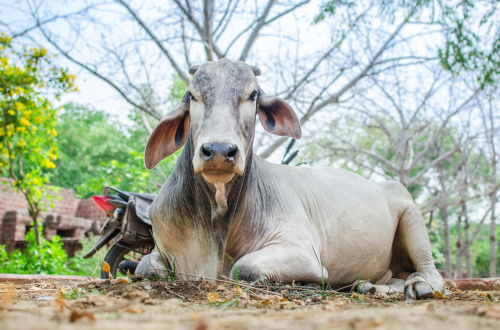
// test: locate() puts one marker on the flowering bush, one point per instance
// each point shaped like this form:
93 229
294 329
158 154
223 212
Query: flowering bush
28 79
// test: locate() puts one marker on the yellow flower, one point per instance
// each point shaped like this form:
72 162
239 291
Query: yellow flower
34 181
11 112
23 121
54 132
21 143
48 164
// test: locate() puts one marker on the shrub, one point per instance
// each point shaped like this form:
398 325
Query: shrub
48 258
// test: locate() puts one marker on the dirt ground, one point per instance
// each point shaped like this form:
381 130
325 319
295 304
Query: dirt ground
159 304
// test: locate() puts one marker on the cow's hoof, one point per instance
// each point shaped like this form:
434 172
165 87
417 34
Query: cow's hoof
248 274
151 265
417 287
364 287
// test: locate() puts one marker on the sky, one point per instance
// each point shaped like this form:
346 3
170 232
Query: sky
94 91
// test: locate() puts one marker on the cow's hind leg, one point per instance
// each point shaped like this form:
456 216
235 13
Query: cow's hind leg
279 263
412 261
395 285
412 253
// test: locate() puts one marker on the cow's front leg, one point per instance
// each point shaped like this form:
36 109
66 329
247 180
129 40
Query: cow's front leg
151 265
279 263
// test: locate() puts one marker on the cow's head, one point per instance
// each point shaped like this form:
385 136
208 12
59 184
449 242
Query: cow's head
220 108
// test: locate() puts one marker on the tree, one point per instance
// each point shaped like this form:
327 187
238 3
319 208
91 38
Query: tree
95 151
490 123
313 72
28 79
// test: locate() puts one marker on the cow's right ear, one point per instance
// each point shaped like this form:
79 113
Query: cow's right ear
169 135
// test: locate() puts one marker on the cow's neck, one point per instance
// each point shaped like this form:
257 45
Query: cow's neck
210 208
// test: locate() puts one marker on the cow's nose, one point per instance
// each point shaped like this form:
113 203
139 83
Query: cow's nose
212 149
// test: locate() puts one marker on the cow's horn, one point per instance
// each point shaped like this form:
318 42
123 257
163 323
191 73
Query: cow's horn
256 70
192 70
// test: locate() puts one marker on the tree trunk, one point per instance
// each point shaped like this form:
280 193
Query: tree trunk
34 215
459 244
468 260
493 237
447 247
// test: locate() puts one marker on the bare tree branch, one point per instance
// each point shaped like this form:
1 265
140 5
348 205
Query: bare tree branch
103 78
160 45
260 23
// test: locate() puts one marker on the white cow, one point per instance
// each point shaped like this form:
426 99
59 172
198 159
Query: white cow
277 222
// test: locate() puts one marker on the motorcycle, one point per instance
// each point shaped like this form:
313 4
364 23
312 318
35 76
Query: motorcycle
128 225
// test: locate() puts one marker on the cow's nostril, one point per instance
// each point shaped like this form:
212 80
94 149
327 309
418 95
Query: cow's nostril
214 149
232 151
206 150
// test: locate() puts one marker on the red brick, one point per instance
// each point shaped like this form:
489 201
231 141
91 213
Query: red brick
70 216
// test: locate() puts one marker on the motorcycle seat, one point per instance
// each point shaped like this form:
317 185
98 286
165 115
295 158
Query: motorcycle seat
142 204
149 197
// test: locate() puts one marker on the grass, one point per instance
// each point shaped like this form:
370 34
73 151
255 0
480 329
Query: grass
73 293
324 286
171 273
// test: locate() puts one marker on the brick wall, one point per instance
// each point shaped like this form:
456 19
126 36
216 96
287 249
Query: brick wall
65 204
70 218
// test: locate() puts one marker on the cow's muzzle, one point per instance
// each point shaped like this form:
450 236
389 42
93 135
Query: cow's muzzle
218 162
226 151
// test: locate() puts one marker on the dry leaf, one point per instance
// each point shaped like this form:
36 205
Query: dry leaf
201 325
238 290
61 304
458 291
493 312
211 297
482 294
439 295
107 269
283 299
133 310
122 280
266 302
62 291
78 314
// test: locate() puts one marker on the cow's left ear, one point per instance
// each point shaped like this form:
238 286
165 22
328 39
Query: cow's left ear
278 117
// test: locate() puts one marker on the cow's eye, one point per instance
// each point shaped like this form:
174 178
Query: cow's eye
253 96
191 97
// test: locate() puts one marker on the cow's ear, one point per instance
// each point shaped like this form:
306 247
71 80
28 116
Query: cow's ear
169 135
278 117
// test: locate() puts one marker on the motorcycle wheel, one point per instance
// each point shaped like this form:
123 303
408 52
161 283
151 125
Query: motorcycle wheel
115 255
